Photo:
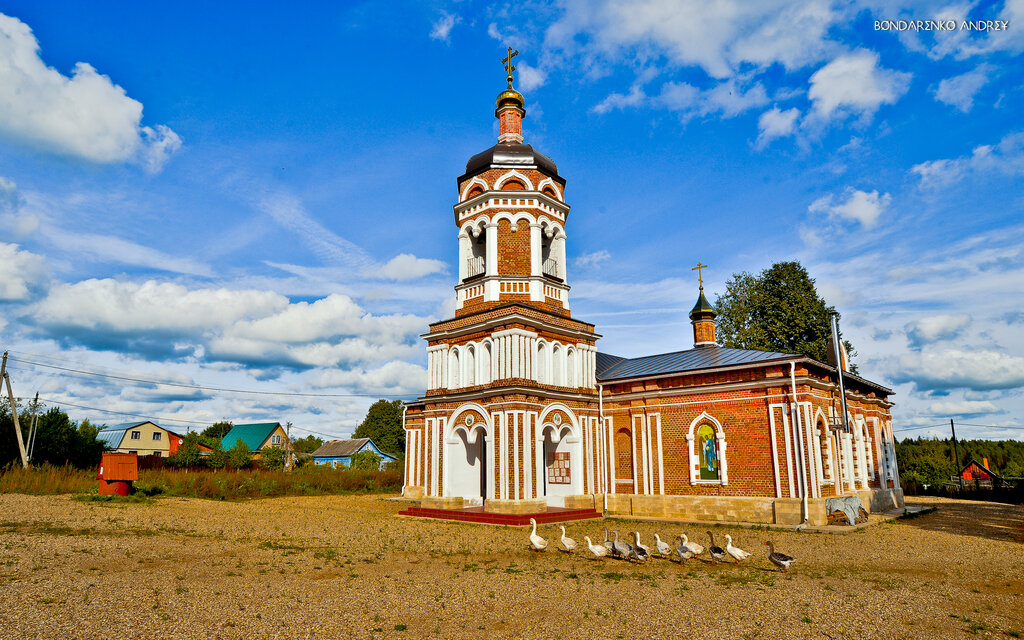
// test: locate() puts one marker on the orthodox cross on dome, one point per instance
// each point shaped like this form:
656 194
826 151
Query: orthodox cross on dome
509 67
698 268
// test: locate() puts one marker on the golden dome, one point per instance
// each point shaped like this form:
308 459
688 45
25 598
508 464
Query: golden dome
510 96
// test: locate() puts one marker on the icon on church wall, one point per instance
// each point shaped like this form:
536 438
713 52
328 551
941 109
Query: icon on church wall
708 447
558 471
469 420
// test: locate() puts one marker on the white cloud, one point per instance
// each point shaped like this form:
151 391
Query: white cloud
10 197
862 206
395 377
592 259
530 77
775 124
726 98
964 408
854 83
634 98
20 272
118 250
406 266
935 328
443 27
979 369
959 91
1007 158
326 245
85 115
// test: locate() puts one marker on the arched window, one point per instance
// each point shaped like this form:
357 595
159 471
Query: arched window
513 185
623 455
570 368
475 191
470 365
557 354
485 363
707 450
706 439
453 369
542 362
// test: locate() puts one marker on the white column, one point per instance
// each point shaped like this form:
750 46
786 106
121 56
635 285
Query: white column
612 461
559 251
661 458
535 251
527 457
632 453
516 338
464 253
492 249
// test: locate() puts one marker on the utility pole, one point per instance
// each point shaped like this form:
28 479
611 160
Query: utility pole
33 424
14 411
957 454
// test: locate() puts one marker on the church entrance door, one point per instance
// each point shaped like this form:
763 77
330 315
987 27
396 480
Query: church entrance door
467 466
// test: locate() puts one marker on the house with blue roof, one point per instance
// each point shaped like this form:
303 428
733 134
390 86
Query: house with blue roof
339 452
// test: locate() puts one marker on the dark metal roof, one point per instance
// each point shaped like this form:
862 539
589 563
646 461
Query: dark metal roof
702 307
683 361
511 154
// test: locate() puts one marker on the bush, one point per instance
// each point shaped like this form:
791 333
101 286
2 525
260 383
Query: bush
188 454
218 458
365 460
272 458
239 456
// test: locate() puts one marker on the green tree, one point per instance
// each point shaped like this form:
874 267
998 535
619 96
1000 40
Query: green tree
383 425
365 459
218 458
188 454
59 440
8 440
272 458
778 310
239 456
309 444
218 429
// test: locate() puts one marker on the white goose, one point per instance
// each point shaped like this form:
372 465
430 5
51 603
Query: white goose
607 541
598 550
538 543
568 543
621 549
640 552
694 548
663 549
734 551
682 550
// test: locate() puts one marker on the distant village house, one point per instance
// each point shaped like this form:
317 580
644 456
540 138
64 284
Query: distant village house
143 438
339 452
257 437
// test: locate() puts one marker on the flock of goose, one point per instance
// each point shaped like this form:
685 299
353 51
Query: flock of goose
638 552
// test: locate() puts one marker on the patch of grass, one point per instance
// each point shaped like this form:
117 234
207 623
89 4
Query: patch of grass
135 498
47 479
401 627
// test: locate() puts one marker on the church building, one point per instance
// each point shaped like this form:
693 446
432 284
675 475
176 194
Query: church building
522 412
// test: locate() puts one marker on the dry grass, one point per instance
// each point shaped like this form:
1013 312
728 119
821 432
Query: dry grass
46 479
346 566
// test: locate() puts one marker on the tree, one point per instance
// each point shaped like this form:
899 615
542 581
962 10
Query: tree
365 459
272 458
218 429
309 444
383 425
239 456
778 310
188 454
218 458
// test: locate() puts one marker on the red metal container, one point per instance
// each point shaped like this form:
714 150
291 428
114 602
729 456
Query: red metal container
117 472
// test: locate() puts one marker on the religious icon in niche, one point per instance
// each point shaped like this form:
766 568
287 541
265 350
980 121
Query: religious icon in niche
558 472
708 447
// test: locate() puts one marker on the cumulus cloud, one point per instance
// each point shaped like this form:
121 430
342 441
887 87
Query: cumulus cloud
959 91
21 273
406 266
395 378
862 206
726 98
442 29
1007 158
979 369
935 328
592 259
964 408
85 115
854 83
775 124
530 77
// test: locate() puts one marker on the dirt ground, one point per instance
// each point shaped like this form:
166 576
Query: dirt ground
340 567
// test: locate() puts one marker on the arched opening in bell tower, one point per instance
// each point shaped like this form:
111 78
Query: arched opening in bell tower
477 260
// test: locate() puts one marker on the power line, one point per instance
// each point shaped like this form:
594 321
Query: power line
182 385
989 426
934 426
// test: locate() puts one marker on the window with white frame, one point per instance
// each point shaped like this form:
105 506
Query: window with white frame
157 436
136 435
707 445
275 439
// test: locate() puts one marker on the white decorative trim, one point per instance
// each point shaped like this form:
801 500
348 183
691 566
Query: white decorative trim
469 187
723 470
513 218
513 174
548 182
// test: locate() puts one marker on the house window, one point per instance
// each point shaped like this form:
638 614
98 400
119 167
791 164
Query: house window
156 435
275 439
135 452
707 449
156 454
136 435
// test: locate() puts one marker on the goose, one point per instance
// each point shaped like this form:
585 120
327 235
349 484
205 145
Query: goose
663 549
640 552
621 549
780 560
568 543
684 552
734 551
607 541
538 543
694 548
717 552
598 550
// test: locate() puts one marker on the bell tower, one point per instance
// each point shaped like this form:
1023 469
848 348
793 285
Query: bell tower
511 217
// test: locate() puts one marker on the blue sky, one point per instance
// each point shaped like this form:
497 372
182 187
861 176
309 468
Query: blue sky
259 198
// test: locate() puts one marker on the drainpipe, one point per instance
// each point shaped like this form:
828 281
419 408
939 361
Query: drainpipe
600 418
800 439
405 480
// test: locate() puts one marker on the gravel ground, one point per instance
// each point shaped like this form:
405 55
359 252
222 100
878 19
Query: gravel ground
347 566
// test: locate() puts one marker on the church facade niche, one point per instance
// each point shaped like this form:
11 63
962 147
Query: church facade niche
521 411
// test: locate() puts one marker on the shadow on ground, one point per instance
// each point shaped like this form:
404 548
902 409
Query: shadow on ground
988 520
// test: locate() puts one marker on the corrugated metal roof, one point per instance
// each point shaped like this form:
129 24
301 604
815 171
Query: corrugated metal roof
684 361
345 448
128 425
112 437
253 435
606 361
